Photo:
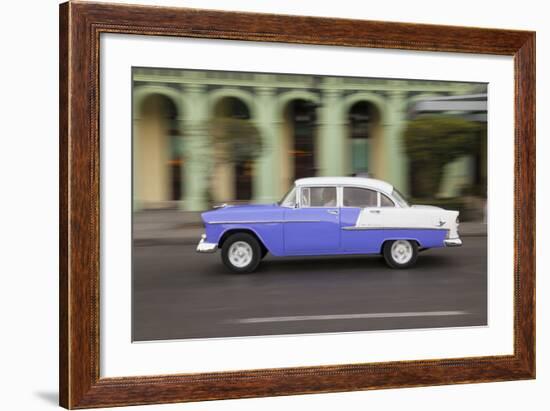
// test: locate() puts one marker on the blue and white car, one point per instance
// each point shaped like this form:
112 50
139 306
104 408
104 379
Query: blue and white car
329 216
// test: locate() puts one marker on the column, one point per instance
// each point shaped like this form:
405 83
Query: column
397 166
197 161
331 138
266 168
136 204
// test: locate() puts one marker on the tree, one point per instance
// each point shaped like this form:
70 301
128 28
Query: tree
234 140
432 142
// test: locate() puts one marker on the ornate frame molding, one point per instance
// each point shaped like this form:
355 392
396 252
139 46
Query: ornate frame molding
80 27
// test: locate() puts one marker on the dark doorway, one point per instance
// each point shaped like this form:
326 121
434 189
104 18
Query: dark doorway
232 107
163 108
363 117
302 116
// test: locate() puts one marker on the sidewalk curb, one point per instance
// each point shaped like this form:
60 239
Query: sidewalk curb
152 242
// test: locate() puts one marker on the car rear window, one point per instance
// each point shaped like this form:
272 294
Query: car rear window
385 201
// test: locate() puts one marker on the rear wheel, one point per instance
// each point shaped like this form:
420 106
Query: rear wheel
241 253
400 253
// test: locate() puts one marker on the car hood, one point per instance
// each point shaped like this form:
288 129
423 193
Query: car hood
242 213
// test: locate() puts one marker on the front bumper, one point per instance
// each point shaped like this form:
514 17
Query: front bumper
453 242
204 247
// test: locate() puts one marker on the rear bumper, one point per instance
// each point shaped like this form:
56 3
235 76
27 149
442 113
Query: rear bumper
204 247
453 242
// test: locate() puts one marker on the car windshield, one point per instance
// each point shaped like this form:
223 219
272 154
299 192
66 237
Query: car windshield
399 198
289 199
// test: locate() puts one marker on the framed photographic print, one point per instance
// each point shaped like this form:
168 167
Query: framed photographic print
257 205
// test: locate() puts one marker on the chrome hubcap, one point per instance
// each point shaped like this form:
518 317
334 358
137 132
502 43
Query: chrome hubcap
240 254
401 251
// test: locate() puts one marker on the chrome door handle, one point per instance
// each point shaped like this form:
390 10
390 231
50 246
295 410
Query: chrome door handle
335 212
375 211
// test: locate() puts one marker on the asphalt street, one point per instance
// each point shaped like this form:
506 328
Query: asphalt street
179 294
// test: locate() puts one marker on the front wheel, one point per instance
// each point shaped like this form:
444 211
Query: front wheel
400 253
241 253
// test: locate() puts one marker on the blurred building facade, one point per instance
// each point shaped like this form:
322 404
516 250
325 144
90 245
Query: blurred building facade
309 125
466 170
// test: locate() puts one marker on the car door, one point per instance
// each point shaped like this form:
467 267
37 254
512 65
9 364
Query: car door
354 201
313 227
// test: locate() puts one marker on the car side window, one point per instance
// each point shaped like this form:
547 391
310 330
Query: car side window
360 197
318 196
385 201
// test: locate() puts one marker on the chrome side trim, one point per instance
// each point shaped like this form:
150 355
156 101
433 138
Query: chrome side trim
354 228
264 222
304 221
204 247
453 242
245 222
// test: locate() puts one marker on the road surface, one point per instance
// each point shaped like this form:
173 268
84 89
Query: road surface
179 294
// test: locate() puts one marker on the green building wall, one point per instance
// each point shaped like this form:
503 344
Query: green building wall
196 93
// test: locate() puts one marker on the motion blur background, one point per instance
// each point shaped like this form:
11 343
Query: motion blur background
202 138
207 137
36 277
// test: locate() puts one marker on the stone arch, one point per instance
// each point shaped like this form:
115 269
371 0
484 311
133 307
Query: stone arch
372 98
233 182
289 160
218 94
177 97
156 146
375 147
285 98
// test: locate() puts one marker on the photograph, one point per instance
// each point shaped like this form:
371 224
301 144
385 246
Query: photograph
273 204
283 203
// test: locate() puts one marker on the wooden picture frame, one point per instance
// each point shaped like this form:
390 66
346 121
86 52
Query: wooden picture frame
80 27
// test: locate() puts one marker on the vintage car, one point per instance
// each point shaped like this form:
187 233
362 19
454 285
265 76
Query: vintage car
329 216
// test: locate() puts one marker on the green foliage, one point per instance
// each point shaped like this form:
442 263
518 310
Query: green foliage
433 141
235 140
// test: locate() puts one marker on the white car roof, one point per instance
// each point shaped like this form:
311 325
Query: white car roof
351 181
